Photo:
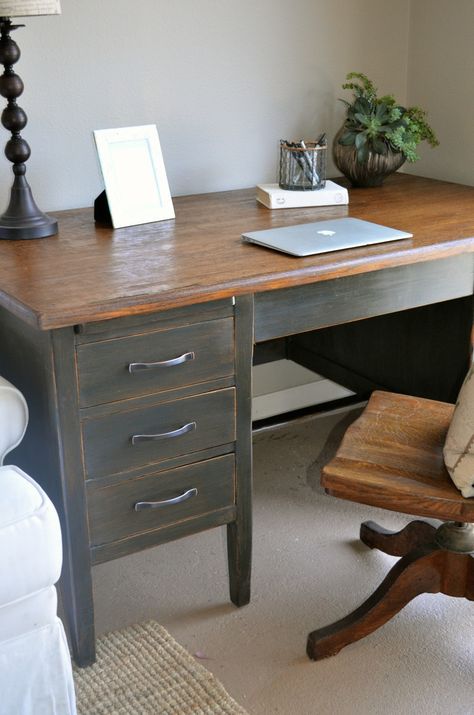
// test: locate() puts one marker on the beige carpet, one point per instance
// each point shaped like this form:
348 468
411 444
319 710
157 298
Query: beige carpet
144 671
309 568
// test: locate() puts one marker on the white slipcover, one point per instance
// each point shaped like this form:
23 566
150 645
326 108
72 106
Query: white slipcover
13 417
35 665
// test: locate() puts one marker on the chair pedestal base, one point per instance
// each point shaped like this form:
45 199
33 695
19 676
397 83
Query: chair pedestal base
424 567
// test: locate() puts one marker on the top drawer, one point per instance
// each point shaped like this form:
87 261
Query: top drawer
138 365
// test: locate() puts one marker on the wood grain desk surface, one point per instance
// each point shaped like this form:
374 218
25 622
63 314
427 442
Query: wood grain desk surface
88 272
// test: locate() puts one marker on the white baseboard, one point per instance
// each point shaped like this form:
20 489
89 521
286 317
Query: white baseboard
283 386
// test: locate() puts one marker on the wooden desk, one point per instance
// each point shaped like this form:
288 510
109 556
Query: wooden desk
77 309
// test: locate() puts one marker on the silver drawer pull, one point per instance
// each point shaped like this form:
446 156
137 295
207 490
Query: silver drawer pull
139 366
141 505
190 427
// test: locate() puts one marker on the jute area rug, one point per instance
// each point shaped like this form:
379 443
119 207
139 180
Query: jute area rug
142 670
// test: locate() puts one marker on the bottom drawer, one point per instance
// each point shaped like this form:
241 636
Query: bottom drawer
183 493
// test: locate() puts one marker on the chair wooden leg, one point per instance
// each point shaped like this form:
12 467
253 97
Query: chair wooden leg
469 594
397 543
416 573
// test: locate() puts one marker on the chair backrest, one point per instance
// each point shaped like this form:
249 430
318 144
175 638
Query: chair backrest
13 417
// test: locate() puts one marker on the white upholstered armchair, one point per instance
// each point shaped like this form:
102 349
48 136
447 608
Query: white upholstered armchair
35 666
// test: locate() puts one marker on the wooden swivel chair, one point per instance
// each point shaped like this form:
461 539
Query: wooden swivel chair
391 457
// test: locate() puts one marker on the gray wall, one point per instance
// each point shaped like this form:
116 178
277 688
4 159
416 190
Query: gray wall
223 81
441 80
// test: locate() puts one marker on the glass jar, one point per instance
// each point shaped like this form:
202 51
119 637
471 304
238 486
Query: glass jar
302 165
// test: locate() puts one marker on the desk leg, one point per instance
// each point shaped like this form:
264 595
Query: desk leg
239 532
76 579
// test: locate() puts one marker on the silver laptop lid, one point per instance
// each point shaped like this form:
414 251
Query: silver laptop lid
307 239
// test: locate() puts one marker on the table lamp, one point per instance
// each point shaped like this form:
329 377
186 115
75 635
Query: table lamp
22 219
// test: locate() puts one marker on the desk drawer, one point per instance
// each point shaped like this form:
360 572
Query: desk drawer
188 492
143 364
138 436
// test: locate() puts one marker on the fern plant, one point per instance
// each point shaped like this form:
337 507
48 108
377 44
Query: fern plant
378 124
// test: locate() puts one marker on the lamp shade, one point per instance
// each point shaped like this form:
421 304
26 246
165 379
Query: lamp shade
23 8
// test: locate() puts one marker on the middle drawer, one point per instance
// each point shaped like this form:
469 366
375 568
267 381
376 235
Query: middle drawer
137 436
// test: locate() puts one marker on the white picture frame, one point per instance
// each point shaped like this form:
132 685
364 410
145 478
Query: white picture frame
134 175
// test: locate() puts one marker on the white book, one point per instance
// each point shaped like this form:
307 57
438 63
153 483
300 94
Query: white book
271 196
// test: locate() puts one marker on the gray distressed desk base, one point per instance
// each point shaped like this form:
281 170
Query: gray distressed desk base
428 309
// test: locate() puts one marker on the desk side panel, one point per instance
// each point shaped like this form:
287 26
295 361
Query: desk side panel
41 365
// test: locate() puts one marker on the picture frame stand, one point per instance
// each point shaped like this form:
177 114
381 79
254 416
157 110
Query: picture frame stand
102 210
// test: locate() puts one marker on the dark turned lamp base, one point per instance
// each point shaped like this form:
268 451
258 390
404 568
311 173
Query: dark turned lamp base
22 219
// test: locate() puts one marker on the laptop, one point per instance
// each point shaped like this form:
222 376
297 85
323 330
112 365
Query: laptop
308 239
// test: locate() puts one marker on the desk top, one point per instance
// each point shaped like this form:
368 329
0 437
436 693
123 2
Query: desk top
88 272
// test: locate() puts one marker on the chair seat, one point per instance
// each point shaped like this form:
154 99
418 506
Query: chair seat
392 458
